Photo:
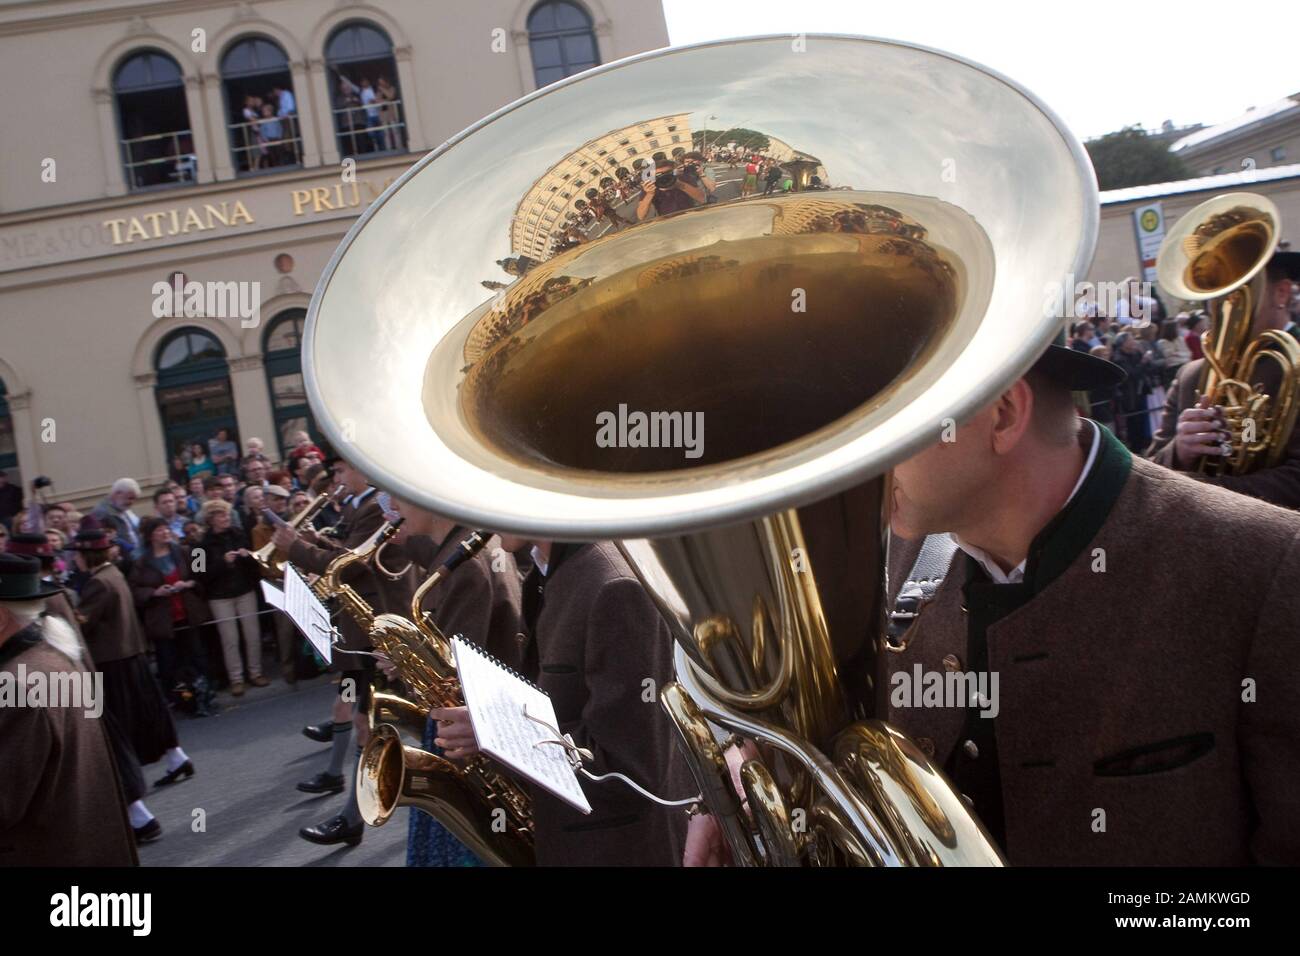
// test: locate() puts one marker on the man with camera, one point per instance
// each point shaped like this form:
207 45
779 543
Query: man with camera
667 193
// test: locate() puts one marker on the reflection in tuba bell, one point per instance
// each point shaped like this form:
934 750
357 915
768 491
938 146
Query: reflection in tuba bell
1216 254
810 340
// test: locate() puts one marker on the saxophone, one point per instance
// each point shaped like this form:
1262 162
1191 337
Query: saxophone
484 808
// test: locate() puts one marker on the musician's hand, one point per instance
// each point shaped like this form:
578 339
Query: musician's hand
283 536
231 556
1202 430
705 845
455 732
386 665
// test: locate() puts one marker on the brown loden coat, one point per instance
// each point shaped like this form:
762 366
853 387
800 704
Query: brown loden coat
378 591
60 803
476 602
108 619
1279 485
597 638
1112 684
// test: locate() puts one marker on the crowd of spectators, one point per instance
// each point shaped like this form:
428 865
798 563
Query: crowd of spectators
189 558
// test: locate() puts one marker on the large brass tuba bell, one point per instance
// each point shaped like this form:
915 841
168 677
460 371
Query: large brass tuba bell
817 336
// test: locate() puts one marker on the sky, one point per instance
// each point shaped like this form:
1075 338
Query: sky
1100 65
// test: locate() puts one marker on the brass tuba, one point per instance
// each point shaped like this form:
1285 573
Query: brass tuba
483 807
723 385
1216 255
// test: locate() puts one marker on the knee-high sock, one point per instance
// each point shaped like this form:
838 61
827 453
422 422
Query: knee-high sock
139 814
339 746
352 812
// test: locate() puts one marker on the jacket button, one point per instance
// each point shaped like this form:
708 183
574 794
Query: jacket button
925 745
521 637
952 663
971 749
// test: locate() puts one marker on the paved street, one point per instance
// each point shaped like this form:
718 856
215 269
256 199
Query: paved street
247 760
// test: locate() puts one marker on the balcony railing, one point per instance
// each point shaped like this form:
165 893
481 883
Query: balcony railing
160 159
273 141
373 128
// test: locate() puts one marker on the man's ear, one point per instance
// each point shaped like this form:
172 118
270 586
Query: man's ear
1011 416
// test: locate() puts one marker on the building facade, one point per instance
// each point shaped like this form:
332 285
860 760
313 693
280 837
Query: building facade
1259 138
177 174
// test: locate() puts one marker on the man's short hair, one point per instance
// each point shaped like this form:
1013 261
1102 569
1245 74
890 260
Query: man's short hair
1055 417
211 482
162 491
126 484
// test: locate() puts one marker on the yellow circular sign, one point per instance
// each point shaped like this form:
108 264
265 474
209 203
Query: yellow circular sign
1149 220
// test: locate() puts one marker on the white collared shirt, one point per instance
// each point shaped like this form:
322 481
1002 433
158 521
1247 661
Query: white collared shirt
539 559
355 500
995 573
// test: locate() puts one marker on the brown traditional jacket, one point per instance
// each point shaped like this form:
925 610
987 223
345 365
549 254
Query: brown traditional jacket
1279 485
108 619
479 600
1148 712
60 803
360 522
596 641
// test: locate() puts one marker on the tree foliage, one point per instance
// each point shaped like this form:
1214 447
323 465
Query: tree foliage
1134 157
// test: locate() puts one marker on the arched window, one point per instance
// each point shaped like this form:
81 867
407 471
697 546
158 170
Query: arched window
8 448
365 97
153 121
282 356
193 391
561 40
261 111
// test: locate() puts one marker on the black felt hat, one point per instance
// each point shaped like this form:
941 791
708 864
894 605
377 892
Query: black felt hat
20 579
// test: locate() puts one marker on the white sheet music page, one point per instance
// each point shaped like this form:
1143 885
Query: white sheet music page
496 698
307 612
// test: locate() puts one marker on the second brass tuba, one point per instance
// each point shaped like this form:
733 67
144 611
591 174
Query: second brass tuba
1216 254
722 385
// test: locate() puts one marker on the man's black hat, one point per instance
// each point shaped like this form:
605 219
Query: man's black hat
1078 371
20 579
1288 262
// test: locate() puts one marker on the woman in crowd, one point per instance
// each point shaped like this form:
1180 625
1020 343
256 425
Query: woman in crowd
199 467
230 578
386 93
170 607
1173 348
1134 426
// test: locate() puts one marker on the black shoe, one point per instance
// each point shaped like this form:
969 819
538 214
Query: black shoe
184 770
333 830
322 783
322 733
153 830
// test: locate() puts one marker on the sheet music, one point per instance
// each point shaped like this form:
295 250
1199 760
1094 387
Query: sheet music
274 596
307 612
496 697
